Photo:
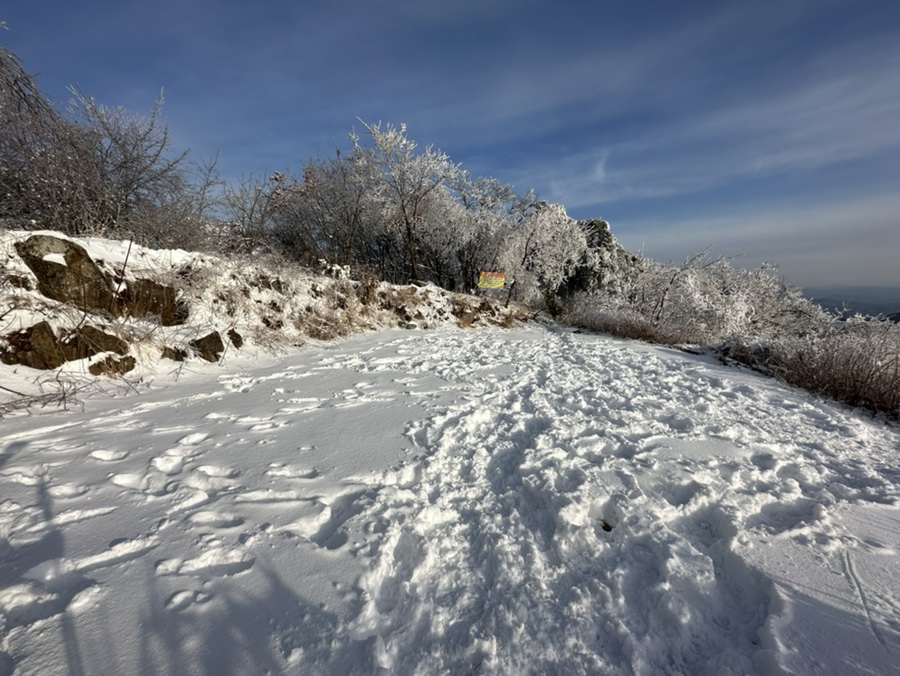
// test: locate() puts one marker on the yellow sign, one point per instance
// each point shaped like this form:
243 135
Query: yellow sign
491 280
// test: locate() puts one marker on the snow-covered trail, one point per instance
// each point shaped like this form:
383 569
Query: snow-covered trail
593 507
525 501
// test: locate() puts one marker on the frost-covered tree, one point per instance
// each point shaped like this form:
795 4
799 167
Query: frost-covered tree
248 212
412 214
132 161
541 249
330 212
488 211
90 169
405 185
40 150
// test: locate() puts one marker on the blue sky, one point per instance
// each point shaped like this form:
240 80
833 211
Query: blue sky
768 130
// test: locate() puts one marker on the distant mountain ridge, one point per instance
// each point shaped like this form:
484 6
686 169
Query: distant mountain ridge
868 300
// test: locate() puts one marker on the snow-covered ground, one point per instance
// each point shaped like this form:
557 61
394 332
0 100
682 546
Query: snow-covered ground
470 502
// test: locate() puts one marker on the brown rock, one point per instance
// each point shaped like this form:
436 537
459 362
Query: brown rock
35 347
78 281
39 347
235 338
174 354
145 297
112 366
87 341
210 346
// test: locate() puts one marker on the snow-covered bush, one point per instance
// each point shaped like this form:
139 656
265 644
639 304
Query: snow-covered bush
856 362
407 185
754 318
701 301
590 312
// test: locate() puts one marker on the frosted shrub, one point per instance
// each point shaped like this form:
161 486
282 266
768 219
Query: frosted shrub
590 312
404 184
702 301
753 318
856 362
410 214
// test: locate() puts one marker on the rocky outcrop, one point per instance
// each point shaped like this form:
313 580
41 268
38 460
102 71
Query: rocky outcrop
87 341
36 347
605 265
39 347
66 273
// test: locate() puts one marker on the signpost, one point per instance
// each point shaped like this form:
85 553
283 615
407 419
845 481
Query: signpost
493 281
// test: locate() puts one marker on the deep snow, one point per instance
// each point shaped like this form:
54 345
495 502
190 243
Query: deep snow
484 501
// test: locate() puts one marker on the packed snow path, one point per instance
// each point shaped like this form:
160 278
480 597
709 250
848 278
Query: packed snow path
468 502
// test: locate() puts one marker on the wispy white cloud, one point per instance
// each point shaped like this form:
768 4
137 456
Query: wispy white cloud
846 108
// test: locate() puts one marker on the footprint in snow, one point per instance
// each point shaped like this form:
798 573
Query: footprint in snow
108 456
120 550
257 424
280 470
149 483
213 519
268 425
213 563
170 430
193 439
681 494
267 495
764 461
331 534
309 519
184 599
26 477
131 480
218 472
211 478
294 410
168 463
66 491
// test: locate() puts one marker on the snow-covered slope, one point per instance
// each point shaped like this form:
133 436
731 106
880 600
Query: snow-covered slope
157 308
525 501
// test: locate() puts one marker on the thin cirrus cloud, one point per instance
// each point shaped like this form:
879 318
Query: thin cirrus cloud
843 111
